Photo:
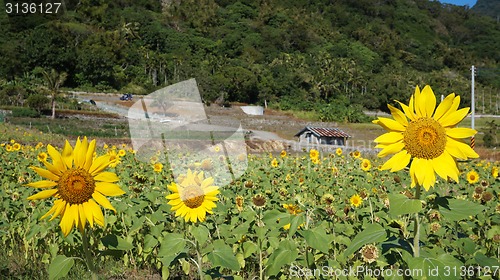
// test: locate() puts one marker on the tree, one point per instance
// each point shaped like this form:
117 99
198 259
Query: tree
53 81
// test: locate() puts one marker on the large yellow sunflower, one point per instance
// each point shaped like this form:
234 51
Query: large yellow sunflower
427 135
193 197
79 183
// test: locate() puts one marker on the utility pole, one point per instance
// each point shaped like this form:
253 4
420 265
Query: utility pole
473 105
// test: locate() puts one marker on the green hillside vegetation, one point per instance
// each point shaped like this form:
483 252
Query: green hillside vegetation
335 57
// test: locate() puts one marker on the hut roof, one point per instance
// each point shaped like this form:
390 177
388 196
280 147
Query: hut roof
324 132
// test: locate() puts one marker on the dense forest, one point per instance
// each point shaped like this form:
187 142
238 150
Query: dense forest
327 55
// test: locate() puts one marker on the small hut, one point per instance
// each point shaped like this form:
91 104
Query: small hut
320 135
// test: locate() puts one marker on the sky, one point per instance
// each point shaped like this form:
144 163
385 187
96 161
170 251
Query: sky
460 2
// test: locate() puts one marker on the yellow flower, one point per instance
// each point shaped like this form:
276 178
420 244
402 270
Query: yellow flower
316 160
42 157
122 152
356 200
8 148
494 172
12 141
113 158
313 153
472 177
274 163
79 183
366 164
158 167
335 170
338 151
283 154
217 149
194 197
356 154
292 210
39 145
16 147
239 202
429 137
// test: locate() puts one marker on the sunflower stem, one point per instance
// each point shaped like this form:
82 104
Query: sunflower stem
88 255
416 238
199 262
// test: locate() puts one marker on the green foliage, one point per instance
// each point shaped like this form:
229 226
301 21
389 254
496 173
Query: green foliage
37 102
296 53
20 112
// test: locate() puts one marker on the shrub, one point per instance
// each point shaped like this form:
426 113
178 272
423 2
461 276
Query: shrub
25 112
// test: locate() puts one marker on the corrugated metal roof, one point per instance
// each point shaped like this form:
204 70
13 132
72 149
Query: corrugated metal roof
325 132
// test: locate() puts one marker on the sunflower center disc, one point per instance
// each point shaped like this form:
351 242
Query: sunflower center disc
425 138
76 186
192 196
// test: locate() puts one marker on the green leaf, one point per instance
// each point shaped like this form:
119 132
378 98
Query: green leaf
317 239
200 234
172 244
149 242
372 234
249 248
60 267
295 222
116 243
223 256
456 209
285 254
275 219
401 205
485 261
444 266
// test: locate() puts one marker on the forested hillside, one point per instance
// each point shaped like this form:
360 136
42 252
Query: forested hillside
329 55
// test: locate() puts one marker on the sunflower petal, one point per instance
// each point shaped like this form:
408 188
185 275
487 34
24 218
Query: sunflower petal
67 154
429 101
103 201
419 110
88 210
413 168
90 155
420 170
80 152
61 207
43 194
68 219
108 189
109 177
96 213
445 166
52 210
408 112
42 184
389 137
454 118
55 170
45 173
460 132
57 160
391 149
390 124
99 164
460 150
397 162
453 108
82 219
444 106
430 177
398 115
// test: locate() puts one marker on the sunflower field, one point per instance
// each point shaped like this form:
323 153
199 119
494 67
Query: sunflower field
308 214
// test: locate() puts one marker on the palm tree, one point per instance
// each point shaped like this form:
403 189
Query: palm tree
53 80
